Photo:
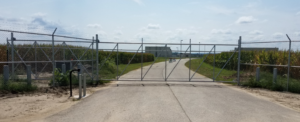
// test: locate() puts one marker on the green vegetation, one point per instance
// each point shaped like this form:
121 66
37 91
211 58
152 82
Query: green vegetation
247 78
207 70
109 69
266 81
259 57
19 85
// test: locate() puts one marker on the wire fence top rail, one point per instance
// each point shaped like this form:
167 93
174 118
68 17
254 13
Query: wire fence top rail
269 42
166 43
5 30
39 40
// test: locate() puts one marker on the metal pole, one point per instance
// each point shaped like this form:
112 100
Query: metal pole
93 59
97 59
117 61
289 64
12 56
199 50
64 53
53 62
35 58
80 86
142 62
84 85
274 75
190 60
165 62
214 62
7 48
239 60
180 48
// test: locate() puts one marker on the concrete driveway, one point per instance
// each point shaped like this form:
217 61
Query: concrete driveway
160 101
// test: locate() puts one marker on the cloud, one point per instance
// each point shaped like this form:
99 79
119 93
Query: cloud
39 14
138 2
298 13
118 33
245 20
278 35
256 32
94 25
220 31
153 26
297 33
220 10
101 34
257 38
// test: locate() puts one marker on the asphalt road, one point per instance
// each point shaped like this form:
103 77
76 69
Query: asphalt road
160 101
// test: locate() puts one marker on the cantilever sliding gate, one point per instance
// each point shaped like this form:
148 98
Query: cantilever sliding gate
84 54
164 70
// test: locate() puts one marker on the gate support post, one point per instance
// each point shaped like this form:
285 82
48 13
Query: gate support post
97 60
239 60
5 75
117 61
35 58
142 62
289 64
93 59
214 63
12 56
28 68
257 74
53 59
166 63
190 60
274 75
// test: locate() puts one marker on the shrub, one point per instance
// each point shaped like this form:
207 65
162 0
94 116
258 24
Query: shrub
16 87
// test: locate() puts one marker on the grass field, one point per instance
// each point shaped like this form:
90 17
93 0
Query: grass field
110 73
247 78
208 71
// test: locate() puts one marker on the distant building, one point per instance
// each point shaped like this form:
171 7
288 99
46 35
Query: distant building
257 49
159 51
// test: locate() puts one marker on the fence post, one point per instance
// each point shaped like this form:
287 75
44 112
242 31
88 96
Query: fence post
166 63
7 48
5 74
142 62
12 57
97 59
289 63
239 60
93 59
214 62
63 68
84 84
80 86
53 59
117 61
274 75
35 58
257 73
190 60
28 68
79 67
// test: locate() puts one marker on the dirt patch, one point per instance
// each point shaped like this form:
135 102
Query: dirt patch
37 105
286 99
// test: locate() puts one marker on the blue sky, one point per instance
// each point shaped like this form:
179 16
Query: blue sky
204 21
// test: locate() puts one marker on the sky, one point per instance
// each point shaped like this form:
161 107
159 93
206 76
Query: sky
163 21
